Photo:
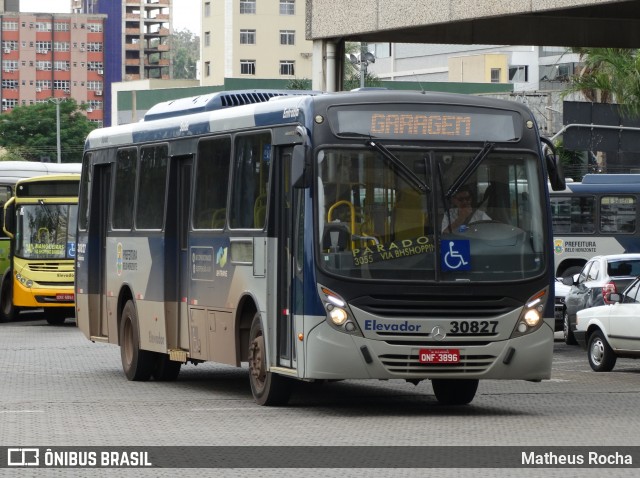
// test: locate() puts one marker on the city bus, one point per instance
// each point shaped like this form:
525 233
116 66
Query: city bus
598 216
39 223
10 173
300 234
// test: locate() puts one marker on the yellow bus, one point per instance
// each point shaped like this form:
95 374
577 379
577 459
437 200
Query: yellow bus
40 220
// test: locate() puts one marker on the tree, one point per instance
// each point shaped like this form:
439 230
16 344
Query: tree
609 75
186 52
29 132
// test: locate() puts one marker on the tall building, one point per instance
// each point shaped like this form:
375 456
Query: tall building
252 39
137 40
9 6
51 55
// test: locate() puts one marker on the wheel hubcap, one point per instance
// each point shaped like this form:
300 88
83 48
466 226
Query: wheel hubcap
256 361
597 351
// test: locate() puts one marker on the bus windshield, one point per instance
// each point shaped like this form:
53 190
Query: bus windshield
46 231
376 222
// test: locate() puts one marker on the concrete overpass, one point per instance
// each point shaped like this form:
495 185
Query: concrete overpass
602 23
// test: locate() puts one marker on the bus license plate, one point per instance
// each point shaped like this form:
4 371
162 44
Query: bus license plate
64 297
439 356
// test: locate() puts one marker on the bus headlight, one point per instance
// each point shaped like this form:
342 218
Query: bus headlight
531 318
338 314
23 280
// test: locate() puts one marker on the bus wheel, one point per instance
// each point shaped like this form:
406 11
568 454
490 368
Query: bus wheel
8 312
137 364
57 316
454 391
166 370
267 388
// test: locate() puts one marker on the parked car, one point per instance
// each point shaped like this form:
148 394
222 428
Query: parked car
611 331
560 293
600 276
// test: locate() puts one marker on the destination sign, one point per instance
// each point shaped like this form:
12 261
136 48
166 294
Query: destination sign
419 122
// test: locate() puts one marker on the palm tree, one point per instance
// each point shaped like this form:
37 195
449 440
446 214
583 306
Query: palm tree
609 75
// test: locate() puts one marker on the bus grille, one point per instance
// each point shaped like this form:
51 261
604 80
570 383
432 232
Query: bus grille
50 266
409 365
415 306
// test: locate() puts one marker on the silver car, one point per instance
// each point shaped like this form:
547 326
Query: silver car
600 276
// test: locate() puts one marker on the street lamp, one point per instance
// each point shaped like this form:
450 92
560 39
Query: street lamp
363 60
57 101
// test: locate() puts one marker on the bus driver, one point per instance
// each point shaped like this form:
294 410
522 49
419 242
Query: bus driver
463 211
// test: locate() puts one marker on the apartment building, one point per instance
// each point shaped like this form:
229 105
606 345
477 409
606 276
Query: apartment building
45 55
138 42
254 39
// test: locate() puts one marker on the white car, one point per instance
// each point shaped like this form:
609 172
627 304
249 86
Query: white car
611 331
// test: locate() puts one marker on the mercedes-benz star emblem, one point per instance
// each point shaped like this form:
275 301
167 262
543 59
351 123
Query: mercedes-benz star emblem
438 333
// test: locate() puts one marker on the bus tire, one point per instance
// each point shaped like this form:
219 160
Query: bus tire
166 370
454 391
57 316
137 364
8 312
600 353
267 388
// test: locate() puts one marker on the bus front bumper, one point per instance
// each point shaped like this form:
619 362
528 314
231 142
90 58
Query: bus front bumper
36 297
330 354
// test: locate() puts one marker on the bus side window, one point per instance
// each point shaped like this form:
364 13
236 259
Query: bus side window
250 181
212 183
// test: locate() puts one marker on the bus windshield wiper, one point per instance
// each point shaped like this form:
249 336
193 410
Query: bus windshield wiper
470 169
409 175
47 212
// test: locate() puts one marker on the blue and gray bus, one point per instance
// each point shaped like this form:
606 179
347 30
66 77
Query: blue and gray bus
598 216
301 234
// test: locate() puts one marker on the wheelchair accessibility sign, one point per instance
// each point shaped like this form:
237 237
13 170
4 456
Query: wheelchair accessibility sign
455 255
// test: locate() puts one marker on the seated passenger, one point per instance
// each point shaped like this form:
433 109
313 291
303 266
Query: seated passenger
463 211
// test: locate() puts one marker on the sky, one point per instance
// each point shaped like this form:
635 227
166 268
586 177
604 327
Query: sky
186 13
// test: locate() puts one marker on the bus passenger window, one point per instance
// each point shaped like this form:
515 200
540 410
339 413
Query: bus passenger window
151 190
212 182
250 181
125 186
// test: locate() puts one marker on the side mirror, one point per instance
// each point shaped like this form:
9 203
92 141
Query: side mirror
554 167
300 170
568 280
614 297
9 222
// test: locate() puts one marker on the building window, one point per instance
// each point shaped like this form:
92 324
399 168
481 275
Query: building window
495 75
10 26
286 67
247 67
207 38
207 68
519 74
61 27
287 7
247 6
247 37
207 9
287 37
